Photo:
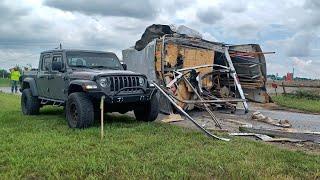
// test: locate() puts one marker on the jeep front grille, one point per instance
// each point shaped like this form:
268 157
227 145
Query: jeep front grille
119 82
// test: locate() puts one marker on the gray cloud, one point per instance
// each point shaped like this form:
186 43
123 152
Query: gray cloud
239 7
300 45
29 27
141 9
15 29
312 4
209 15
312 19
12 14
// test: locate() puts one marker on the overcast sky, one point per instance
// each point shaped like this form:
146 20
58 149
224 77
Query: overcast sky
291 28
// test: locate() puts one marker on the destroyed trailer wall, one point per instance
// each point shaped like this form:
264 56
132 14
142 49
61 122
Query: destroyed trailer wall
176 53
250 65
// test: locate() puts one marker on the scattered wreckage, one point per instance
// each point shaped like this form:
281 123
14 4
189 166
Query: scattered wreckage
191 72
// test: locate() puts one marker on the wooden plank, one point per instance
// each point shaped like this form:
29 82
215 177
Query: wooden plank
307 136
172 118
267 138
158 56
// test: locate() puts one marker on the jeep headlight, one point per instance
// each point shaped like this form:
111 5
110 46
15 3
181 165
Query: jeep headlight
141 81
104 82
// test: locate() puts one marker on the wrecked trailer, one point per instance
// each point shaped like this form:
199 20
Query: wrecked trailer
250 64
184 44
165 57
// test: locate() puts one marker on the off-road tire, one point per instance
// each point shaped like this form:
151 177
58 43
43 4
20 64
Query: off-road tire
79 110
149 111
30 105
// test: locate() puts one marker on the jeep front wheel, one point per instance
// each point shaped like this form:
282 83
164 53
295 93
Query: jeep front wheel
79 110
30 104
148 111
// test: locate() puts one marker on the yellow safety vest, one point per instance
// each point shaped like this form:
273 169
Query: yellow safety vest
15 75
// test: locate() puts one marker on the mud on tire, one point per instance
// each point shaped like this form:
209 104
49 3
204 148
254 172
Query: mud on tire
148 111
30 105
79 110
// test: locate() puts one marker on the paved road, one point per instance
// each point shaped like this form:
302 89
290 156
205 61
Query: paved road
298 120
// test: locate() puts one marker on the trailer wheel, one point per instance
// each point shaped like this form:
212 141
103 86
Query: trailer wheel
30 104
149 111
79 110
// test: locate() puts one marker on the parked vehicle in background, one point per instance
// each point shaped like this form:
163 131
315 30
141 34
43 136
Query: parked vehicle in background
77 79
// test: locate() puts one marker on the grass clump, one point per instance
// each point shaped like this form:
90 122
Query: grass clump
301 100
306 94
43 147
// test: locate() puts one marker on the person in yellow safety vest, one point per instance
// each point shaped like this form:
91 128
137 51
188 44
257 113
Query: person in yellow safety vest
15 76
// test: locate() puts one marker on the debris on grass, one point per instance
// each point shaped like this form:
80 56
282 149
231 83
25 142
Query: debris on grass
285 133
172 118
267 138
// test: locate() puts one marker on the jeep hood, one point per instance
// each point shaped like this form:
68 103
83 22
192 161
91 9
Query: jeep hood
90 74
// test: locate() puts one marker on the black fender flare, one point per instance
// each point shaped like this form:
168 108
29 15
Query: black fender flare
32 85
80 83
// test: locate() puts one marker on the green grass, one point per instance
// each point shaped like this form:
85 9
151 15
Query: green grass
4 82
298 102
43 146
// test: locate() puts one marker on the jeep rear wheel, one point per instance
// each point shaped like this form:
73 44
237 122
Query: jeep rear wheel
30 104
79 110
148 111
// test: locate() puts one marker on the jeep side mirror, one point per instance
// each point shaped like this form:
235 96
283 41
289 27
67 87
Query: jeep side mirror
124 66
56 66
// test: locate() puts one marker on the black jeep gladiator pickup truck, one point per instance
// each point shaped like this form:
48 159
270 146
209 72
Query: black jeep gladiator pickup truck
77 79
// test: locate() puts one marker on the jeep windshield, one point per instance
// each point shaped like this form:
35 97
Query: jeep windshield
93 60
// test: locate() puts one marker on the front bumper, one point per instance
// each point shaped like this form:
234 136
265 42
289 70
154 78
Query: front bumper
119 98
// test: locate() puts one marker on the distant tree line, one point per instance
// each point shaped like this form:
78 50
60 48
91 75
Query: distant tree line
4 73
274 77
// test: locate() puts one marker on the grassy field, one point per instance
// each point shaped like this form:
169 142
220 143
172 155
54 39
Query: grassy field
44 147
4 82
298 102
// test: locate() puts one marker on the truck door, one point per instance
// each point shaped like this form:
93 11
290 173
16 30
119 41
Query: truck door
57 80
43 75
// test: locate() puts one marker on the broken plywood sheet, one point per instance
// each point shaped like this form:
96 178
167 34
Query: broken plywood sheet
191 57
306 136
182 93
172 118
158 57
267 138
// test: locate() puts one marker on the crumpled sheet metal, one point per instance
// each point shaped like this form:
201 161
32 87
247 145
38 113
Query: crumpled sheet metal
141 61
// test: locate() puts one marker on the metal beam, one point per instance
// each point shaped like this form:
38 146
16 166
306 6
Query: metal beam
235 78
